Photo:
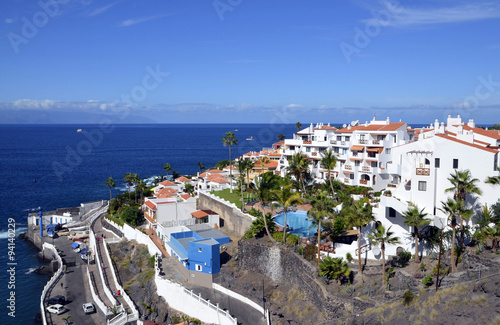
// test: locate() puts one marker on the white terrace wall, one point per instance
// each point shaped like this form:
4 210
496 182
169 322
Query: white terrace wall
52 280
134 234
99 303
235 221
188 303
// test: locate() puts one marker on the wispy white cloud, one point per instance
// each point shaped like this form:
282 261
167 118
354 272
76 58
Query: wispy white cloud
405 16
135 21
102 10
9 20
293 106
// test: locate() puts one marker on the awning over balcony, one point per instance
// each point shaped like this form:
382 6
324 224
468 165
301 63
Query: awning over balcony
357 148
347 172
378 149
356 159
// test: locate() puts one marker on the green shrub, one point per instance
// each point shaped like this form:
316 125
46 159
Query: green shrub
427 281
408 298
348 257
278 236
152 262
301 250
403 258
442 271
292 240
423 268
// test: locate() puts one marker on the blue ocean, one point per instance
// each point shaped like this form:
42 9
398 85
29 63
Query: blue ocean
54 166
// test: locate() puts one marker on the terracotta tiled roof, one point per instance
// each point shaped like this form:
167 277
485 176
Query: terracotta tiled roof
214 171
467 143
186 196
182 179
275 154
199 214
167 183
150 205
495 134
165 196
372 127
326 127
229 167
217 179
270 165
203 175
165 191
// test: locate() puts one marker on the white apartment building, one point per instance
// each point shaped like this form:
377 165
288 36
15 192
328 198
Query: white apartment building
363 150
414 164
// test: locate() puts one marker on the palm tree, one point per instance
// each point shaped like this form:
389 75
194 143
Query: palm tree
286 198
452 209
358 214
248 164
463 184
241 174
135 179
329 161
110 182
493 180
297 166
263 185
382 237
141 186
128 178
280 137
334 268
201 166
322 208
167 168
298 126
415 218
230 140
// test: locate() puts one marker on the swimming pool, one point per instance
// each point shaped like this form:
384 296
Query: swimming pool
298 221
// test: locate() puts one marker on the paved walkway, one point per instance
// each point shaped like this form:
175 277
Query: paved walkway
106 264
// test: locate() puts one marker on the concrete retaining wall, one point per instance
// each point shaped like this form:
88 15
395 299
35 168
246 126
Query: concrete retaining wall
235 221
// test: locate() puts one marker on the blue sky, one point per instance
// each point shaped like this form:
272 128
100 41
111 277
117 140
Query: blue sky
249 61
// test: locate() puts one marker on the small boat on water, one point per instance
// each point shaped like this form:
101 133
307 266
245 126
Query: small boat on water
251 138
79 130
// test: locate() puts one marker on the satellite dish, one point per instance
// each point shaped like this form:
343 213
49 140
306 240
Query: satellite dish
376 250
439 222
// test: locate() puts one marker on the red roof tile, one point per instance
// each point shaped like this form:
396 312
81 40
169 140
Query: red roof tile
186 196
447 137
214 171
495 134
167 183
150 205
199 214
372 127
182 179
271 164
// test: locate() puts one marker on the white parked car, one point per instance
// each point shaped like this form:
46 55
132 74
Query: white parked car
88 308
56 309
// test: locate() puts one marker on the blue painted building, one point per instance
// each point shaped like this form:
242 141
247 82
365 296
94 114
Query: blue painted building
198 250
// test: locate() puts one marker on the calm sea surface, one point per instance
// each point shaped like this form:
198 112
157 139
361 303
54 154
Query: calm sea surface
69 168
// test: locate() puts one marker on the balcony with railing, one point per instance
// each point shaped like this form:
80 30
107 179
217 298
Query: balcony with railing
376 142
342 143
314 154
366 169
347 180
363 182
423 171
363 141
347 167
333 142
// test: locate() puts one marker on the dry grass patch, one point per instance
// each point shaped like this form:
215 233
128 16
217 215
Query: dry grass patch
453 302
496 321
479 300
433 315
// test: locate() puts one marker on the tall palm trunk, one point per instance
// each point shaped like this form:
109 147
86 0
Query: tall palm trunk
359 251
417 259
319 241
230 172
110 196
453 266
284 227
383 264
242 200
265 222
331 183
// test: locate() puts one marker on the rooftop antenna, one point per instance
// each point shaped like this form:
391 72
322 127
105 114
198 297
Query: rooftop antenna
374 116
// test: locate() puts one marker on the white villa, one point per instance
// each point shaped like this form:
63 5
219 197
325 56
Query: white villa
414 164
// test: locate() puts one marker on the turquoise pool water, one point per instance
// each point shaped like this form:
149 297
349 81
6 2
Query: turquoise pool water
298 221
